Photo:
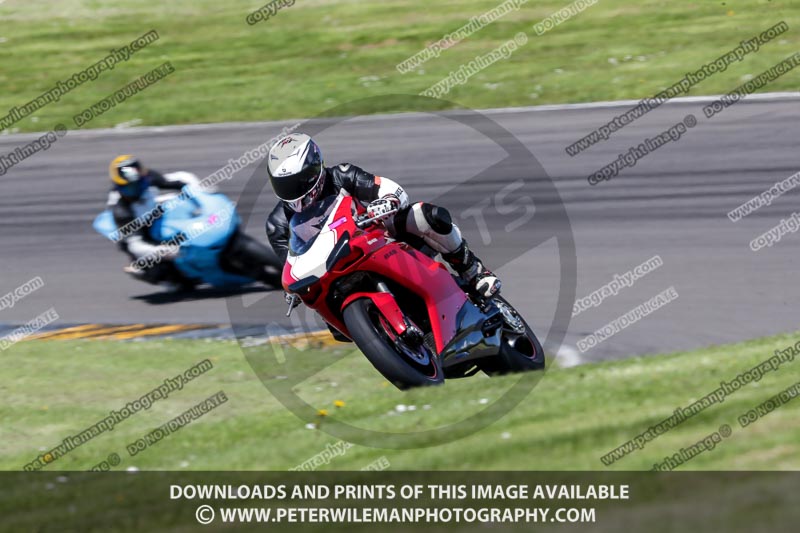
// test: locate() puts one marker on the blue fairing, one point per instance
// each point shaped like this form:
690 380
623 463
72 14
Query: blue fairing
206 221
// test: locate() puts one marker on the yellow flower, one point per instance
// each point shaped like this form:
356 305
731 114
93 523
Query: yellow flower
322 412
338 403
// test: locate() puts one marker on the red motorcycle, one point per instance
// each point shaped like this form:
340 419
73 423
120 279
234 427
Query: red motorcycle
404 310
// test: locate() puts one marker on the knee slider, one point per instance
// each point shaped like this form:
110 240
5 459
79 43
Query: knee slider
438 218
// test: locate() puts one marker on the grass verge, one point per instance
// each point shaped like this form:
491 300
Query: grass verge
572 418
315 55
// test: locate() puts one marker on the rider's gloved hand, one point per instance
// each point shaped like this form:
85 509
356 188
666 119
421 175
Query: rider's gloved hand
382 207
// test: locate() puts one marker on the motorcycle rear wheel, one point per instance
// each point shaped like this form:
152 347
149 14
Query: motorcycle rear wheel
520 352
246 256
402 364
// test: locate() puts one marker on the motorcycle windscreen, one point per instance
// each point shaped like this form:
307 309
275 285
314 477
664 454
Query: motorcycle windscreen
307 225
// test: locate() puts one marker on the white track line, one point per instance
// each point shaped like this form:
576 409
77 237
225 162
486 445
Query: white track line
761 97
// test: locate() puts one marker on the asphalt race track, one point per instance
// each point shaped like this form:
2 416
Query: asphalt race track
672 203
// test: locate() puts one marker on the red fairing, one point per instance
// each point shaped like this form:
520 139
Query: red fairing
424 276
371 252
286 277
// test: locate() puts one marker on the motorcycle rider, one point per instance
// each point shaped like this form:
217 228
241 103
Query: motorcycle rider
131 197
299 178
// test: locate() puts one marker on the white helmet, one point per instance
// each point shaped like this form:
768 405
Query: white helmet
296 171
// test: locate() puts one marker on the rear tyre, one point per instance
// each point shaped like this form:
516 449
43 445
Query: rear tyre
402 363
520 351
249 257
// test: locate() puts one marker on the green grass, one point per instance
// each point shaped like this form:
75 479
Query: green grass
318 54
52 389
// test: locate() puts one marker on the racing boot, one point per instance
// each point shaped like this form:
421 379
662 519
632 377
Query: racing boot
480 280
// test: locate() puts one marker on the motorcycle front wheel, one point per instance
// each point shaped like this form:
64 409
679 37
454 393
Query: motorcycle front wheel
403 363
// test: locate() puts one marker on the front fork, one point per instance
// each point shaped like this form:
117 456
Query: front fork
408 330
387 306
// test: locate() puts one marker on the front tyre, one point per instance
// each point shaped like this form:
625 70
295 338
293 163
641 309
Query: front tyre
404 363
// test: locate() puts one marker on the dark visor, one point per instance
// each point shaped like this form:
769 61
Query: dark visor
292 187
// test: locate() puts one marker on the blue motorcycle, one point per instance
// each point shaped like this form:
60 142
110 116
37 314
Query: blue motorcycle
213 249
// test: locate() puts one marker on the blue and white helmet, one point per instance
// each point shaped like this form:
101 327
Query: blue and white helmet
296 170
